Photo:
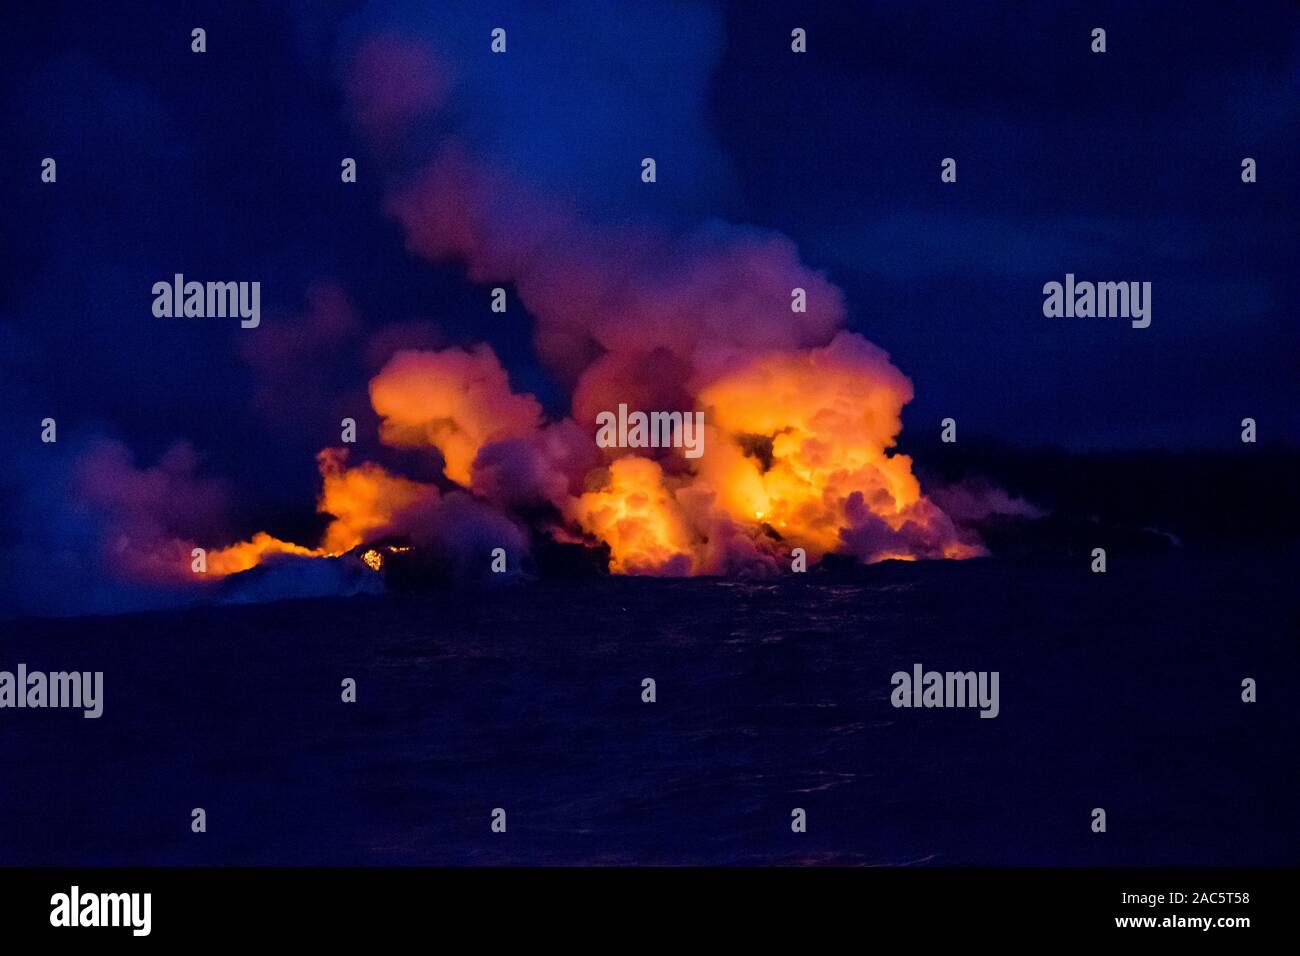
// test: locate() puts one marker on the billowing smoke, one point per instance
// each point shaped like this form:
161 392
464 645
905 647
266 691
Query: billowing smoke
152 515
454 401
801 416
608 299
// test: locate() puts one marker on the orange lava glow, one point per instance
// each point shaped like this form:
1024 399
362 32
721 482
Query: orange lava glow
638 517
798 453
831 416
247 554
455 401
362 501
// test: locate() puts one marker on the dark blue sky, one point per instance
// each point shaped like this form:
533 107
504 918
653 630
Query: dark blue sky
1122 166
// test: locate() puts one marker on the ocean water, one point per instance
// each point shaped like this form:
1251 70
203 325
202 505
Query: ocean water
1119 691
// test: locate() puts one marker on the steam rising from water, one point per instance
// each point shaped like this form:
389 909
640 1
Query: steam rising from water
801 415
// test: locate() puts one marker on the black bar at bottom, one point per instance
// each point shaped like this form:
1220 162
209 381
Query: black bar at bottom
239 904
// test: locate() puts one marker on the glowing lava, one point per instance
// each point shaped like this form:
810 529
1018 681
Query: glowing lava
798 453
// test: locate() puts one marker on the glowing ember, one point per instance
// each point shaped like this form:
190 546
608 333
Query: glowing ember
373 559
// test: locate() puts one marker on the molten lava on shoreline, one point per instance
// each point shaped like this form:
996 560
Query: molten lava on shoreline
798 456
800 415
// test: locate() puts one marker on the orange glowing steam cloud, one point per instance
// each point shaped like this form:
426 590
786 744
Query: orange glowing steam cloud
831 415
639 518
455 401
797 456
801 416
363 501
798 453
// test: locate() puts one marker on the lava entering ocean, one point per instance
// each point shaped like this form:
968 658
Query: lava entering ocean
800 415
798 455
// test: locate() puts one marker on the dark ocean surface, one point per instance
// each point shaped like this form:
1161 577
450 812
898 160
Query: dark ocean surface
1120 691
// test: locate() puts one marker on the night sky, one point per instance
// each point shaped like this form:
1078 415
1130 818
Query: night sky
225 165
